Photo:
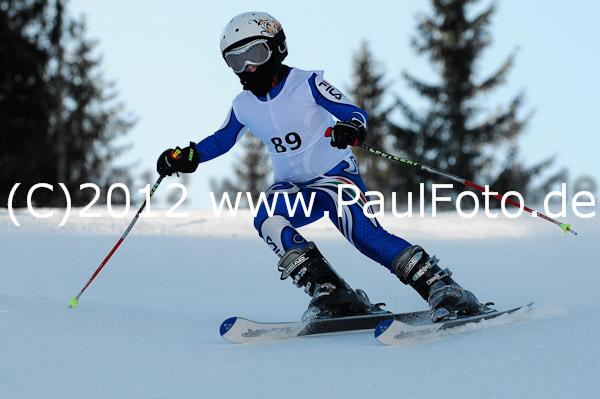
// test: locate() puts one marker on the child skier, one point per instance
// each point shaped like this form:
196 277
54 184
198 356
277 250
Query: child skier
290 110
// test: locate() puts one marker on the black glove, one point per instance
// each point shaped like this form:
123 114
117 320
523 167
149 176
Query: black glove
348 133
178 160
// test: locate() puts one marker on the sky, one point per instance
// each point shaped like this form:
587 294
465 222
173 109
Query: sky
165 60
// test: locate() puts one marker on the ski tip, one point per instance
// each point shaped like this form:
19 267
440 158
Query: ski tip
227 324
381 327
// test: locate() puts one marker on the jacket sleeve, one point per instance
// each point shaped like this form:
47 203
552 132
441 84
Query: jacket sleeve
222 140
330 98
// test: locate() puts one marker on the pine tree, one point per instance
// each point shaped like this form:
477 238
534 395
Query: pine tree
368 93
93 119
25 101
455 134
251 174
58 116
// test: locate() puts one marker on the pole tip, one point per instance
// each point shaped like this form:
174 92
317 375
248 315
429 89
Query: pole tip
74 302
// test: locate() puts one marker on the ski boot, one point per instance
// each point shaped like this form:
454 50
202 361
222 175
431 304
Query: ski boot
447 299
331 295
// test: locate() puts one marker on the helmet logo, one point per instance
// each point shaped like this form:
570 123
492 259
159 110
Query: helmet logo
268 26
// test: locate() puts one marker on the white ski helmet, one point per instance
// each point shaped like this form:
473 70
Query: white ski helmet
252 38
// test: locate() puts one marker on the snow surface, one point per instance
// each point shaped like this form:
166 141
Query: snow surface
148 326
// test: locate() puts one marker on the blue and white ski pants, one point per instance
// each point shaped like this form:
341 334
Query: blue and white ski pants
365 233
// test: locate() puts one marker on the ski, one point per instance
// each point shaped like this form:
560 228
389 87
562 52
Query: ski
240 330
394 332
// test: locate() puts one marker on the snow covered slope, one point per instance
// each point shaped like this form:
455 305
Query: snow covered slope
147 327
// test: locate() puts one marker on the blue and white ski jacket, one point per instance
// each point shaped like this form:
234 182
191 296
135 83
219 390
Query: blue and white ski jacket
291 121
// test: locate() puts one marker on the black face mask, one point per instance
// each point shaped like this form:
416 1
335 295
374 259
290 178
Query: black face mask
260 81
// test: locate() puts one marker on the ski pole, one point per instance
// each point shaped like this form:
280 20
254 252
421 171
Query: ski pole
75 301
565 227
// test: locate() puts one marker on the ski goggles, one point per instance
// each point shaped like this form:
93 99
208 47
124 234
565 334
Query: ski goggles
256 53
